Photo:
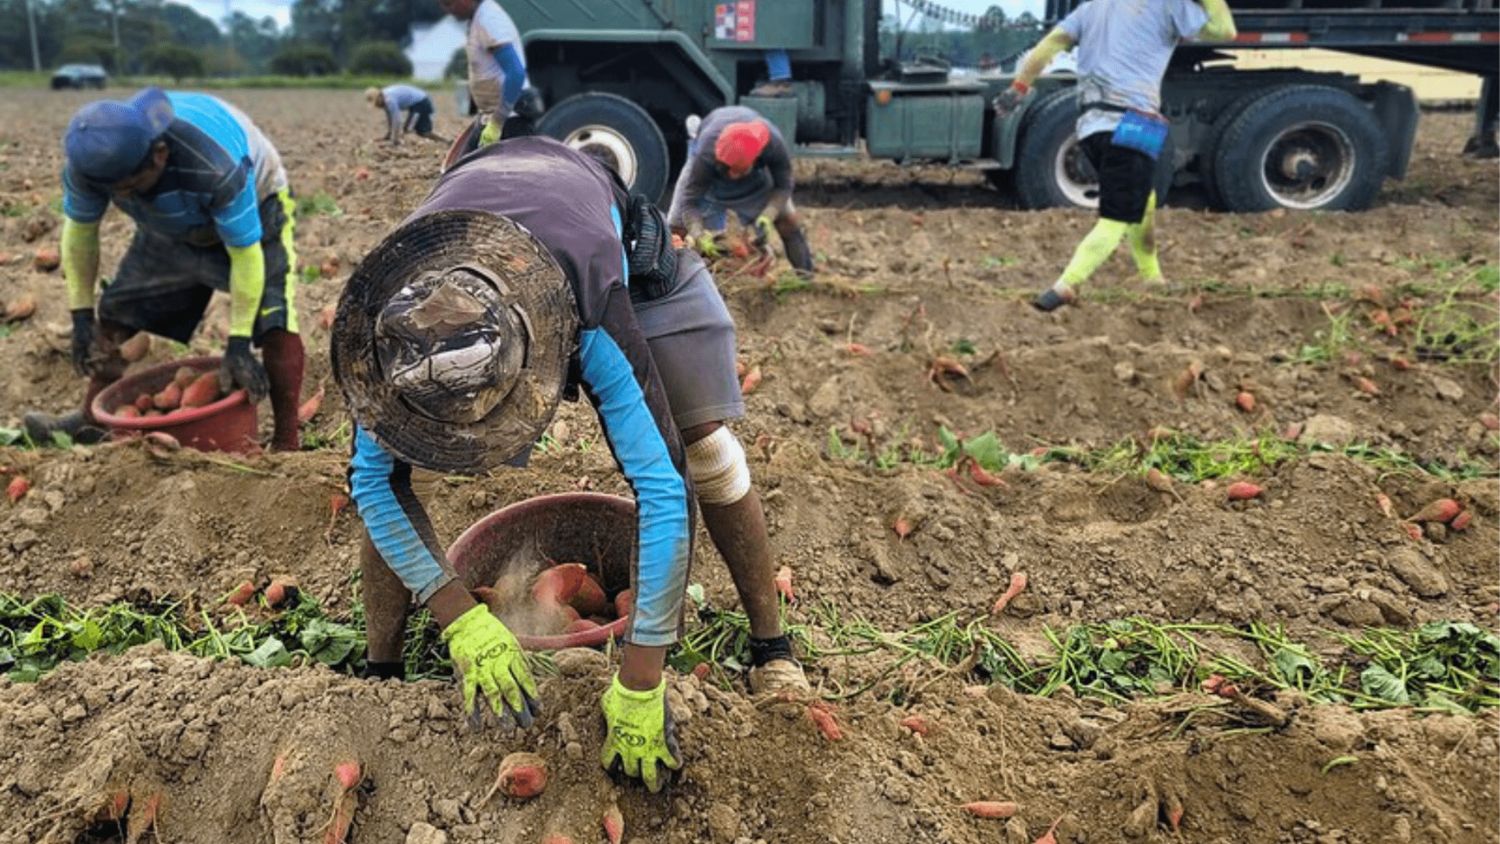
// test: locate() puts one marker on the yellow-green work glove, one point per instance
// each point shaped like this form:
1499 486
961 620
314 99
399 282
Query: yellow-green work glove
638 732
491 132
490 660
764 225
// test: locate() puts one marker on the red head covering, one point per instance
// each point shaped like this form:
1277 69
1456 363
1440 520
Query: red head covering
740 144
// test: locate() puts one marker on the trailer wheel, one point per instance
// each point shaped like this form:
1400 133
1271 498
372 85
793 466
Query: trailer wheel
1211 142
1051 169
617 132
1306 147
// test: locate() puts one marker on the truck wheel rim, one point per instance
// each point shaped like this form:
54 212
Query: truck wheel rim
1307 165
607 145
1074 176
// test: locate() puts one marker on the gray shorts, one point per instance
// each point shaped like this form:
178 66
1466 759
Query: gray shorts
692 342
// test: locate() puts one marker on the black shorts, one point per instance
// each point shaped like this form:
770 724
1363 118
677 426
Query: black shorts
423 112
1126 178
163 285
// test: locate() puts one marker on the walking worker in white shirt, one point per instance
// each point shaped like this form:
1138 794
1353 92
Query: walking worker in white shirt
497 63
395 99
1124 47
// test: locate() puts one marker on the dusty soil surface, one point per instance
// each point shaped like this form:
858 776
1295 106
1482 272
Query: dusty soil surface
918 264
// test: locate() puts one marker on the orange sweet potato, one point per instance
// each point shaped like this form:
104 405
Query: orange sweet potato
202 391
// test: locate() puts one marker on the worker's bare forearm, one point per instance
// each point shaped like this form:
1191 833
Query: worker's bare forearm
1042 55
1220 26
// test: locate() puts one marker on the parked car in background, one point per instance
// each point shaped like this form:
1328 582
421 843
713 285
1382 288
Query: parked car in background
79 76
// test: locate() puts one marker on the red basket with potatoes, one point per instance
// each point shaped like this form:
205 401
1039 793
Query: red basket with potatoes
180 398
555 569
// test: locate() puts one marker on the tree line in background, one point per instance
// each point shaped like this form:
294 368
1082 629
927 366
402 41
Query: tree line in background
360 36
154 37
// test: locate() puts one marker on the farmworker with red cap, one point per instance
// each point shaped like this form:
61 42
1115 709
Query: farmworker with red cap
212 210
1124 47
739 162
453 344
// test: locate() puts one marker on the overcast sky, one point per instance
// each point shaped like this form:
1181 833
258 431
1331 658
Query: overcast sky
281 10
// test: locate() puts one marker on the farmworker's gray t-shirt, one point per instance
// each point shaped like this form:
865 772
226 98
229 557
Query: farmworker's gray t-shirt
1123 50
399 98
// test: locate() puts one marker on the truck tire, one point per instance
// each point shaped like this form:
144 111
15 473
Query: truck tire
617 132
1305 147
1211 143
1051 169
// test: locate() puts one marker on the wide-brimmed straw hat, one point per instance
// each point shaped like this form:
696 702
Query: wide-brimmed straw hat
452 340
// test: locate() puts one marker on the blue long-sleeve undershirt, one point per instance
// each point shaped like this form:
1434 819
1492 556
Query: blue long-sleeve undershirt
515 76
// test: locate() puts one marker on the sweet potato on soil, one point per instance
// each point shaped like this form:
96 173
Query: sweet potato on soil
112 807
349 775
1413 530
1400 364
169 398
783 581
522 776
17 488
701 670
589 599
752 380
624 603
902 526
1050 836
1243 491
1462 520
1442 510
614 825
241 594
308 409
1016 587
859 350
821 714
143 819
1174 811
992 809
1292 432
202 391
46 259
1158 480
1365 385
282 592
19 308
983 476
1245 401
1383 501
136 347
917 724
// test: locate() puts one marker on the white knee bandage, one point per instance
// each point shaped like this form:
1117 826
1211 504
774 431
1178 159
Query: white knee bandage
717 466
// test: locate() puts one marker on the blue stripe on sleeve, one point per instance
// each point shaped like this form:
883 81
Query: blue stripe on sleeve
238 221
390 529
515 74
660 491
82 203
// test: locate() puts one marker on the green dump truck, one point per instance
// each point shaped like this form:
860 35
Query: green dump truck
622 78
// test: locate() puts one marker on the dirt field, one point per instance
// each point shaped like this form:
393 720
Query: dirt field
844 435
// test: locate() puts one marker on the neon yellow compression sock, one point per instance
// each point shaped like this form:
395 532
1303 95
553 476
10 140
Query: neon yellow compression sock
1092 251
1143 243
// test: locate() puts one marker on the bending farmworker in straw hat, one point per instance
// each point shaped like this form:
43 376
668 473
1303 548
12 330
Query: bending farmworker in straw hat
452 346
395 99
209 197
1123 50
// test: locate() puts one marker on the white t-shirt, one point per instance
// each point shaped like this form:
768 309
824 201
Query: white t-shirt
1124 47
489 29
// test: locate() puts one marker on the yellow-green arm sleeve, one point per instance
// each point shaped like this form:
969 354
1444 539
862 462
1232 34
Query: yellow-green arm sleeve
80 262
247 281
1042 55
1220 26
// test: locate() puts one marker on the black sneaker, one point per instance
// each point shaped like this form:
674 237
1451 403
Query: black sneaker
41 426
1051 300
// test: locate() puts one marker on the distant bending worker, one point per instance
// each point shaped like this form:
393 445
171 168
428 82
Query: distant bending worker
395 99
1123 50
739 162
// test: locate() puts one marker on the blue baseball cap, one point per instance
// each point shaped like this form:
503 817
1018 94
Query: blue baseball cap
107 140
